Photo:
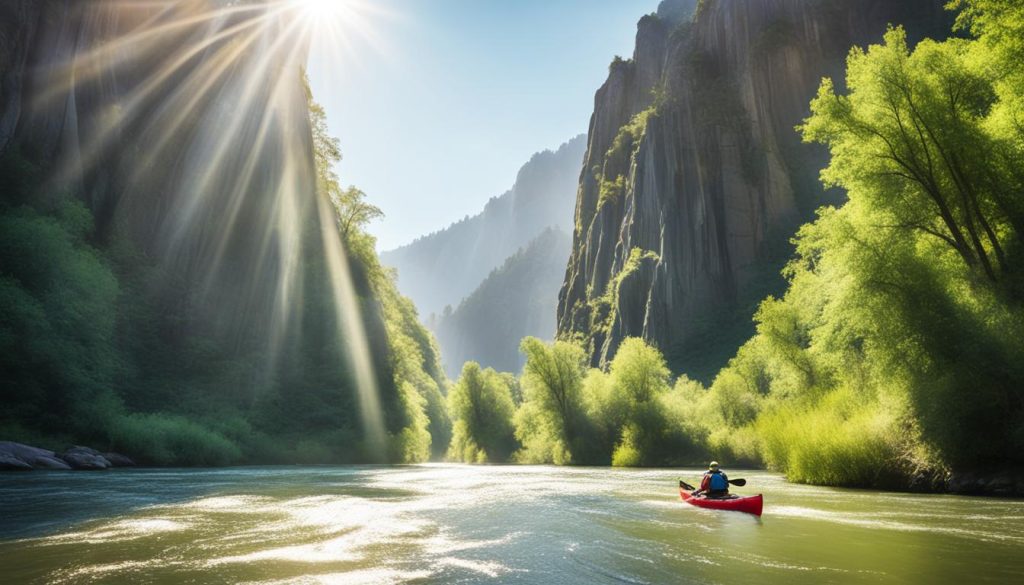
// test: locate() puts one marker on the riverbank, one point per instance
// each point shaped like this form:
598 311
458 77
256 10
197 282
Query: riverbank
1007 483
1001 483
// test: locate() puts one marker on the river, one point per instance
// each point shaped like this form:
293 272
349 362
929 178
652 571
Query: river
463 524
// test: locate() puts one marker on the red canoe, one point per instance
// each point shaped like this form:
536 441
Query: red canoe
750 504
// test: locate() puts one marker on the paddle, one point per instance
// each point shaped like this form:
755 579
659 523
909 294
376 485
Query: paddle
735 482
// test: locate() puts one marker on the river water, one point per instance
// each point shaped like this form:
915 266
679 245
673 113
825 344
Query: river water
463 524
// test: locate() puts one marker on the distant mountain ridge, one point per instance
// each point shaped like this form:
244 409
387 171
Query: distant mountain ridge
518 299
443 268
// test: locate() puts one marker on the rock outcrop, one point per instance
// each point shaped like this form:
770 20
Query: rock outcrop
694 177
85 458
15 456
19 457
119 460
149 117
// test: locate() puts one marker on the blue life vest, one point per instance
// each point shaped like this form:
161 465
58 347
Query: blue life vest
719 482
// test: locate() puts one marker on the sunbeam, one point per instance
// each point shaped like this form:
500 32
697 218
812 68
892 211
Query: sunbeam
232 226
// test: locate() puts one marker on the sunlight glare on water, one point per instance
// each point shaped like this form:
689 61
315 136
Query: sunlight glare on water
452 523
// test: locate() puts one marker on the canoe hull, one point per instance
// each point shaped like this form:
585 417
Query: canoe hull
748 505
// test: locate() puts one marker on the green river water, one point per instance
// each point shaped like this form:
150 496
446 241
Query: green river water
463 524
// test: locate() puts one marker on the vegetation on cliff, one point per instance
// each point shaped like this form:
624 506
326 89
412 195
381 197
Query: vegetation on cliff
897 351
92 354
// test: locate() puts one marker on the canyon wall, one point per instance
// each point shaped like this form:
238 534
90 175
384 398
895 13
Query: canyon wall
695 178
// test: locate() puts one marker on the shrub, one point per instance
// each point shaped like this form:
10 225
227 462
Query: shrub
162 439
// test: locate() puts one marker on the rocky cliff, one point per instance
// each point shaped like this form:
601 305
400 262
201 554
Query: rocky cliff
150 115
185 129
694 177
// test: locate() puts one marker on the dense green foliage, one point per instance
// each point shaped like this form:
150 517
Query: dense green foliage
425 428
549 424
57 325
897 351
481 409
628 416
104 345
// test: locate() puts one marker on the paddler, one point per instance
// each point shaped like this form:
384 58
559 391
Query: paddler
714 484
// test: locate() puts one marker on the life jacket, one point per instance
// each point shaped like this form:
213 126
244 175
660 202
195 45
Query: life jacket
717 481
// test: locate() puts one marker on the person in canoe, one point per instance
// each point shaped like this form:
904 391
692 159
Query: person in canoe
715 483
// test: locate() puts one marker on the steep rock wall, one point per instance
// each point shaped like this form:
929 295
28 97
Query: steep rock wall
129 107
185 129
695 178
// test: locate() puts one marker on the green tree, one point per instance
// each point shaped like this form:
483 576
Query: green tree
639 374
353 211
59 300
909 138
911 144
551 422
481 409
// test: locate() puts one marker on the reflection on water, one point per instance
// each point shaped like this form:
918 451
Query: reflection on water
449 523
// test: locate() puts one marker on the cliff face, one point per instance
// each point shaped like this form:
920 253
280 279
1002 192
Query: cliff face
694 174
185 129
146 115
444 267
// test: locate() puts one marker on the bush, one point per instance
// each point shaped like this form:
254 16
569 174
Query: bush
843 440
162 439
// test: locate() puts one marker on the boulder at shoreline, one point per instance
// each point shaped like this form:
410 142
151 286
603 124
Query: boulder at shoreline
85 458
118 460
20 457
1003 482
34 457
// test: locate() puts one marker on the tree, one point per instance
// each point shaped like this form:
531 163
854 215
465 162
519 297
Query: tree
639 371
639 375
481 409
551 421
353 211
910 137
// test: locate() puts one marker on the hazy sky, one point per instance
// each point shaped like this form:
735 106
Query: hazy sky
437 103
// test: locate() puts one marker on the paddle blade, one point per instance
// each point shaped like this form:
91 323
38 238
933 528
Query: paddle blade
686 486
738 482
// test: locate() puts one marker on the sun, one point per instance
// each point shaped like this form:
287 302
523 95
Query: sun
321 10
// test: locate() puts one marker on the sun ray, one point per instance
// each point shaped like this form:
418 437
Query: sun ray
211 54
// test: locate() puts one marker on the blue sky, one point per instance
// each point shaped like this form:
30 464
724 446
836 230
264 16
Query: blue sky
437 103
